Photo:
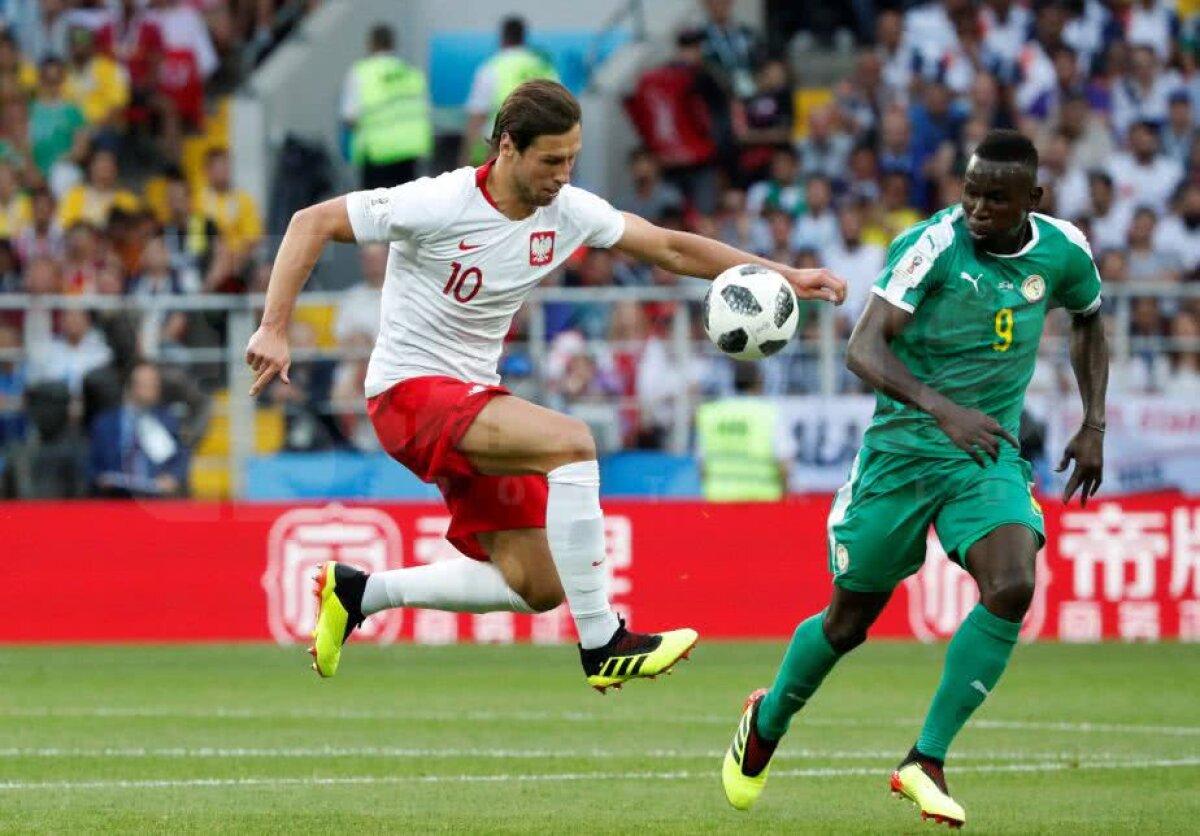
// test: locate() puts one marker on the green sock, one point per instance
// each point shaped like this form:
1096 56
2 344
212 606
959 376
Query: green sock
809 657
975 659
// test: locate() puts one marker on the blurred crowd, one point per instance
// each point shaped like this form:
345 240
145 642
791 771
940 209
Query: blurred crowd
115 181
813 146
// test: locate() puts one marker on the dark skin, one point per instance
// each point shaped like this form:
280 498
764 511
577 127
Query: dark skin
997 200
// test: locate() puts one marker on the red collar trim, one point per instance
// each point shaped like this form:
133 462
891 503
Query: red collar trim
481 175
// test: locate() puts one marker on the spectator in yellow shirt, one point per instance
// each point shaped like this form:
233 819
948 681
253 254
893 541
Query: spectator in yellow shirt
95 82
233 209
16 214
15 72
237 219
94 200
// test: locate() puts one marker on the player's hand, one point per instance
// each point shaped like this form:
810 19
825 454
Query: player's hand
974 432
268 355
819 284
1086 447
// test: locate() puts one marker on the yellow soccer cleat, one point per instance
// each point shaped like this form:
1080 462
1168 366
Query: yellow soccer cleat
630 655
744 770
924 785
339 590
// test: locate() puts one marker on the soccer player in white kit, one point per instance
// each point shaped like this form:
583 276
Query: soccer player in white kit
521 482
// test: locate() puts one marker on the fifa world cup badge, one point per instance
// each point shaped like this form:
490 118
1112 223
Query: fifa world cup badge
1033 288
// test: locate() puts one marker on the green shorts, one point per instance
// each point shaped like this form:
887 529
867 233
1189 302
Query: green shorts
880 519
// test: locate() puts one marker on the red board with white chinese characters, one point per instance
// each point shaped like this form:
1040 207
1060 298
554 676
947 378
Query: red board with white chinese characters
1127 569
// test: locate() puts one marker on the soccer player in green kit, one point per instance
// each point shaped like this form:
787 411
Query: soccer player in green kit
949 346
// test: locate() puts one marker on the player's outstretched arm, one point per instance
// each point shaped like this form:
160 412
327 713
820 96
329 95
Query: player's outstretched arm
870 356
1089 360
686 254
307 233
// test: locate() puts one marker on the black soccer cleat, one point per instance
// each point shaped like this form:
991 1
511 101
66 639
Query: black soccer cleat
630 655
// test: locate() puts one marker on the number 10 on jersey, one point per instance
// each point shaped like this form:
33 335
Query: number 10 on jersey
463 285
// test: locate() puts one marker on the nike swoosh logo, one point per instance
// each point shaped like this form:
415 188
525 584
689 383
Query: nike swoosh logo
465 247
981 688
598 563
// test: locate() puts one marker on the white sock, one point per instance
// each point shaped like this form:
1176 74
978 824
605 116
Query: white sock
459 585
575 529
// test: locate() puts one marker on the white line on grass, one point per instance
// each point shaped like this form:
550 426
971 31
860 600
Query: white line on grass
215 753
678 775
141 712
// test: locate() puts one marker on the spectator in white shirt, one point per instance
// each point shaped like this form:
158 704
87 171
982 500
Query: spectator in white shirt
1005 25
1109 219
357 322
1143 176
69 356
1144 93
859 262
826 149
1179 132
1069 182
1179 232
894 53
1185 363
1147 263
1153 24
817 227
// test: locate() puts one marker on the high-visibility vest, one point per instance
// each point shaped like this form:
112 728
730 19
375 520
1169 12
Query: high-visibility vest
512 67
736 438
393 116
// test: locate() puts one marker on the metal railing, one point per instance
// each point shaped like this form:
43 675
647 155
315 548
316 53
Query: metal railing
240 316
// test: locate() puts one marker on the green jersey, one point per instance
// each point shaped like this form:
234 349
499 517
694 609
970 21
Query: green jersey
977 320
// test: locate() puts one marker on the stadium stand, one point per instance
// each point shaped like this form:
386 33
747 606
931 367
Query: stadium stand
813 139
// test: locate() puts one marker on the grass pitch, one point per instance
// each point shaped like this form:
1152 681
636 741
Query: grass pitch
246 739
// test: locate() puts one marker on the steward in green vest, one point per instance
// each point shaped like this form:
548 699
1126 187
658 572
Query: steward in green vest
737 442
386 108
504 72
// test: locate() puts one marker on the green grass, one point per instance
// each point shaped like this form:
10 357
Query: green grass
510 740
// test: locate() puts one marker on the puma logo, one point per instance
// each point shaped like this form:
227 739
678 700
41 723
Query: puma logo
974 280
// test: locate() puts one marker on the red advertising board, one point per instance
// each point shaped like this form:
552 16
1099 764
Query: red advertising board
1127 569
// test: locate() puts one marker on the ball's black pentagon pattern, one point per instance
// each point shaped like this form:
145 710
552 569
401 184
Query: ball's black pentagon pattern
751 269
769 347
707 306
734 341
784 305
740 300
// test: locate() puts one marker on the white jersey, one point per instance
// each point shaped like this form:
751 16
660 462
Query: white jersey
459 270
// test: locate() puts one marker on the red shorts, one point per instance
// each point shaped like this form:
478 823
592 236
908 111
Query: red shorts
420 422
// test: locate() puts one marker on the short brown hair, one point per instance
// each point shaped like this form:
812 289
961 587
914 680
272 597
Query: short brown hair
536 108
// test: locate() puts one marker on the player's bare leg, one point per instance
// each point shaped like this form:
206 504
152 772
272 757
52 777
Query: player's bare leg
1002 564
511 436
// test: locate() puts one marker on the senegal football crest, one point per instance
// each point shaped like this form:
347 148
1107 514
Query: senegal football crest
1033 288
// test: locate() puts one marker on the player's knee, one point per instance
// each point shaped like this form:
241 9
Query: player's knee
844 631
1008 597
572 442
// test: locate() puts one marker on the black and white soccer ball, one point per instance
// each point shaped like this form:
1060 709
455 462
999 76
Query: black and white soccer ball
750 312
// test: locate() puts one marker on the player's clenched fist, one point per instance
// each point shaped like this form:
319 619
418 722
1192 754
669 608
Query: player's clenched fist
818 284
267 354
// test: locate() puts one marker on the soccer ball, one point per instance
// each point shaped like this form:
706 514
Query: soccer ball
750 312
